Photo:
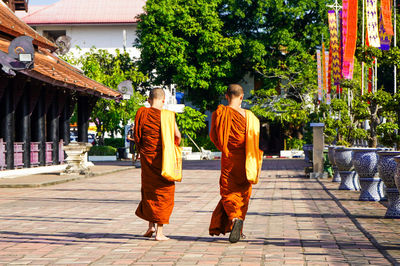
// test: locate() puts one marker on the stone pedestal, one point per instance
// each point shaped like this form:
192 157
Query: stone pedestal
77 159
318 150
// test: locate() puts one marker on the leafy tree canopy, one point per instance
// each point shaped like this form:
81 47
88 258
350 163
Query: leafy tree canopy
203 45
111 69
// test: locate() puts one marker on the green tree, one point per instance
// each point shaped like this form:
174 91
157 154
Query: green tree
203 45
109 69
183 41
190 123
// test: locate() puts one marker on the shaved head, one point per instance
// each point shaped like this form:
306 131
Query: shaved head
234 90
157 94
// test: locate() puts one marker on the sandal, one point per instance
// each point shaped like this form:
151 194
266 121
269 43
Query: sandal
236 231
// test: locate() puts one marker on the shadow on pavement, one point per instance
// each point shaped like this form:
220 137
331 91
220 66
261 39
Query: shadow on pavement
80 200
68 238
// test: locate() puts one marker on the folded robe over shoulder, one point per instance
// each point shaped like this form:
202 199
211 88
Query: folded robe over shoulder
237 138
152 136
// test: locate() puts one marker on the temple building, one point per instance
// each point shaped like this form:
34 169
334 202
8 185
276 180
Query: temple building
38 94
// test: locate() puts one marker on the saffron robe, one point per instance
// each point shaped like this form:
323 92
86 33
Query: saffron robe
235 136
157 192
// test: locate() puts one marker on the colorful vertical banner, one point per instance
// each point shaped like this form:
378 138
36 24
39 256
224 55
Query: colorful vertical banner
319 67
334 46
350 9
329 77
384 37
370 80
372 23
387 17
324 71
338 88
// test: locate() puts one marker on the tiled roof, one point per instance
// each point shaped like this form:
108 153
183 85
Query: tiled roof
53 70
13 26
87 12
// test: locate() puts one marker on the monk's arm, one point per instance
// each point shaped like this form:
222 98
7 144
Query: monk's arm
177 135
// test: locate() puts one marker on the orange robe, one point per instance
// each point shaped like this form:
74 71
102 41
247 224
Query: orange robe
157 192
228 131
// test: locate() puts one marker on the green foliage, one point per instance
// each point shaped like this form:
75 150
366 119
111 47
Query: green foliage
109 69
184 42
387 134
203 45
343 143
202 140
379 108
190 122
294 144
114 142
102 151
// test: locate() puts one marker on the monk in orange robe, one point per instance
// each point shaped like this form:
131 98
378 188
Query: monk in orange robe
157 192
228 133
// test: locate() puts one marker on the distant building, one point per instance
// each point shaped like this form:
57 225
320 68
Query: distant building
104 24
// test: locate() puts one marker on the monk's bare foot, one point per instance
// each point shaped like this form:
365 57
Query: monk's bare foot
161 238
149 232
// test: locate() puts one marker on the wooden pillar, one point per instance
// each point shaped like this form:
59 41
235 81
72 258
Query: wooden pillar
9 126
26 128
65 120
53 126
39 127
83 118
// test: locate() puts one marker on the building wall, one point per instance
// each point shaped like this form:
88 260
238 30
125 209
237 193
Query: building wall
109 37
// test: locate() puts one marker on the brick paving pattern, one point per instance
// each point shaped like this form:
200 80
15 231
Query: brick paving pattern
291 220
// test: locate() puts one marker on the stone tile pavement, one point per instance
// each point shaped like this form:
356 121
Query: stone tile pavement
291 220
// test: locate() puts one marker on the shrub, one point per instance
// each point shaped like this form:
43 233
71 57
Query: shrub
115 142
294 143
102 151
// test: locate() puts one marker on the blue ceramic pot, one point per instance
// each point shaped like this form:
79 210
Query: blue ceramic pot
387 167
365 162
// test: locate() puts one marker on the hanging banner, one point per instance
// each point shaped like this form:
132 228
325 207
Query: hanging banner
319 75
334 46
351 38
370 80
345 8
372 23
387 17
329 77
338 88
324 70
383 36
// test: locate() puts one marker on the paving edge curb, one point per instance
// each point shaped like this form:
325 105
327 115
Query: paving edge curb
66 179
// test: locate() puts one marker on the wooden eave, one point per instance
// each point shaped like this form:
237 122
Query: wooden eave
12 25
50 69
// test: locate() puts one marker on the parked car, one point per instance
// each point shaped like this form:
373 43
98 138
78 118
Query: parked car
73 137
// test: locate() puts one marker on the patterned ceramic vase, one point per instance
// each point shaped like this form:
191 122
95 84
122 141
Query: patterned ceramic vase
307 148
344 162
365 162
387 168
331 156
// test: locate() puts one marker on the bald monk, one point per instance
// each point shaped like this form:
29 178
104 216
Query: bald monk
235 132
157 192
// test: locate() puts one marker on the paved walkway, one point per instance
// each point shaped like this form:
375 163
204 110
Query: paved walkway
291 220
